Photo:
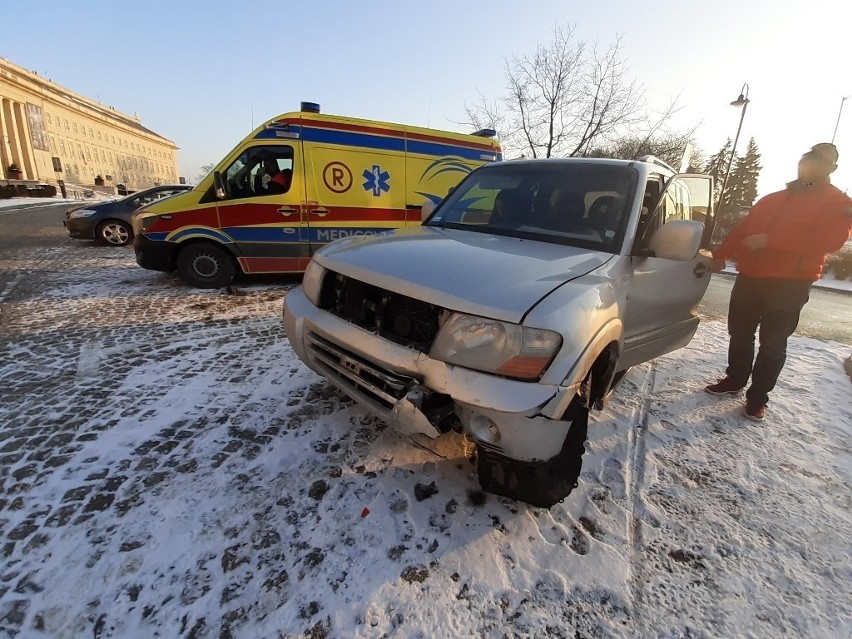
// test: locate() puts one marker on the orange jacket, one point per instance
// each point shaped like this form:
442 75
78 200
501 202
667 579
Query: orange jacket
802 224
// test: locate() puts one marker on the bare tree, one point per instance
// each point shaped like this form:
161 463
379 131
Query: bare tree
205 171
567 98
652 136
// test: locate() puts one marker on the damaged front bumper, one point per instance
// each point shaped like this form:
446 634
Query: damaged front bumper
518 421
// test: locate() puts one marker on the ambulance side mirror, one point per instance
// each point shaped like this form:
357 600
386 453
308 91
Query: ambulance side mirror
426 210
221 194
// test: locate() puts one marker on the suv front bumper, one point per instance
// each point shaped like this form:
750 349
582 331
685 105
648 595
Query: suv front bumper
508 417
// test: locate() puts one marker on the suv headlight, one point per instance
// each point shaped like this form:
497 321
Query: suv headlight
82 213
312 282
496 347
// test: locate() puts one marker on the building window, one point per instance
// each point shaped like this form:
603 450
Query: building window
113 139
47 117
99 136
53 145
75 127
67 128
91 134
62 145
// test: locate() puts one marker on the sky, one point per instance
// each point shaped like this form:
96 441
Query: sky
204 75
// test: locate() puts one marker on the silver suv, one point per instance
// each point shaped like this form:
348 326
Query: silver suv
513 310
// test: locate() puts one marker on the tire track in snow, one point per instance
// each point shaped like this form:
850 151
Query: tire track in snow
634 478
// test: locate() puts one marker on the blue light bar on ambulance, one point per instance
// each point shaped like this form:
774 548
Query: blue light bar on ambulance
485 133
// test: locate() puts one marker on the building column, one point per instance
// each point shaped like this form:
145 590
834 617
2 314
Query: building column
27 153
5 147
12 134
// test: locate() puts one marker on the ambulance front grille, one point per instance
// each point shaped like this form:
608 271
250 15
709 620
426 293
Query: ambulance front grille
401 319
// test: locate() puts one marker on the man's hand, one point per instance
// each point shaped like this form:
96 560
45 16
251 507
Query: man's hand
717 265
755 242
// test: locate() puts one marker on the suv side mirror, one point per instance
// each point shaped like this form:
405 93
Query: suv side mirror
677 240
219 186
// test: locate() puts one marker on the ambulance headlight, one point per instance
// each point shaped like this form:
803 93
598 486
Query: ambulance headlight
144 222
312 282
496 347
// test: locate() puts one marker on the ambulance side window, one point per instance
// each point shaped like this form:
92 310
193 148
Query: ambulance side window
260 171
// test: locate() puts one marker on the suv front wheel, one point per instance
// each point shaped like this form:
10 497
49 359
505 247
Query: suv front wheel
540 483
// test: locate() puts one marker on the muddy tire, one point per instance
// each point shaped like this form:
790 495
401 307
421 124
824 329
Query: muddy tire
205 265
544 483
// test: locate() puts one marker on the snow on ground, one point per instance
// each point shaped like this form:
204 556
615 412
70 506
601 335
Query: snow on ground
169 468
28 202
831 282
17 202
827 281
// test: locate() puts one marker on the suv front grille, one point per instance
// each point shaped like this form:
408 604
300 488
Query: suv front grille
401 319
383 387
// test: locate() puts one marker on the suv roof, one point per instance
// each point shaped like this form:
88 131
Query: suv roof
645 159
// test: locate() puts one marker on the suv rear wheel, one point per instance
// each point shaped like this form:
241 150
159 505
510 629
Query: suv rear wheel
205 265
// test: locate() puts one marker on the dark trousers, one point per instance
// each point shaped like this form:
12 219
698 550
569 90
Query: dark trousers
774 305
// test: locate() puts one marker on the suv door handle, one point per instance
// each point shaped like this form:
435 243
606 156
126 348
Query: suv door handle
321 211
701 269
287 211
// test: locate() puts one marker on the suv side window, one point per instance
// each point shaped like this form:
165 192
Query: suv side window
260 171
648 219
687 197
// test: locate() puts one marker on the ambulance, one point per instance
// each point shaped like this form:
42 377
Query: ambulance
297 182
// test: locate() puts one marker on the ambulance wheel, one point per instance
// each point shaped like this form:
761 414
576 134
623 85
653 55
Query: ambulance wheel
205 265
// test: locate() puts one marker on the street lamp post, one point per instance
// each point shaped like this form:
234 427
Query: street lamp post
741 101
837 124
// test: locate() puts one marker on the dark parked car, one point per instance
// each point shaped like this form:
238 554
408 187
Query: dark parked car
110 222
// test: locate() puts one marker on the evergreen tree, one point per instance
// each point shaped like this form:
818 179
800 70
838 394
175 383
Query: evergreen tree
741 190
742 185
716 166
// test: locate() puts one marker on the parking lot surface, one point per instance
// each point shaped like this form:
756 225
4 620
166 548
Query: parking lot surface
168 468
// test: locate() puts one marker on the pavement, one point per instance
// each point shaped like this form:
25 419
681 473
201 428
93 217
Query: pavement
168 468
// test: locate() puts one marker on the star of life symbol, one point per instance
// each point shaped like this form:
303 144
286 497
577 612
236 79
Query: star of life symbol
376 180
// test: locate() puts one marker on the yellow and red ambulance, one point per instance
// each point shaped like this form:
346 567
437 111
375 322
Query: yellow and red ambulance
298 181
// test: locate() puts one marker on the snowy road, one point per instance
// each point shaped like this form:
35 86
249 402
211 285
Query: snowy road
168 468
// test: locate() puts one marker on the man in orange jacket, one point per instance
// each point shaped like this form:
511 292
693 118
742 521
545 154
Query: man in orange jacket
780 249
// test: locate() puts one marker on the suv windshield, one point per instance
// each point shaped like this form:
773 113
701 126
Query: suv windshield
581 204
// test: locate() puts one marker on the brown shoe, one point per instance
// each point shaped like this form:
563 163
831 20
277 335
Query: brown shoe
755 411
725 386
